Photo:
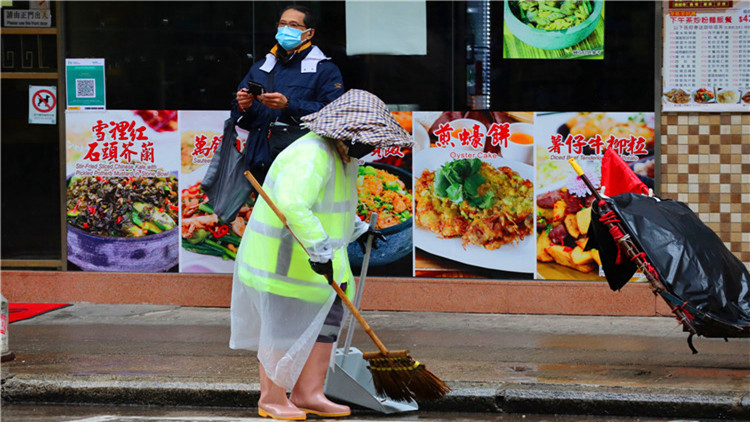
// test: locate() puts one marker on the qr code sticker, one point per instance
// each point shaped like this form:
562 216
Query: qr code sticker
85 88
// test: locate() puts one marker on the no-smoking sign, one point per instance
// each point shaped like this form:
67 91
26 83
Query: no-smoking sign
43 105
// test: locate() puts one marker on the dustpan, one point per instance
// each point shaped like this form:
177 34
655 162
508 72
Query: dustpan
350 379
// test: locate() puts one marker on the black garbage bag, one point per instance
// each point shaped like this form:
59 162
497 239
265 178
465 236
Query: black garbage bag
690 259
225 184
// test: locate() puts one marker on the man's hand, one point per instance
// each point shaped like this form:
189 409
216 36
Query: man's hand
244 99
274 100
376 234
323 268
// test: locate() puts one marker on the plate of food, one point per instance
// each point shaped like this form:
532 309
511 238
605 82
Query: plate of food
563 217
208 244
704 96
676 96
476 211
385 190
122 224
746 97
727 95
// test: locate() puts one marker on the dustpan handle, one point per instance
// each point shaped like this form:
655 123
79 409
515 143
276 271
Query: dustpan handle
361 284
335 285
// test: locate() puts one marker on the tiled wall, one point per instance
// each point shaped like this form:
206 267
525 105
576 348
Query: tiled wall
705 162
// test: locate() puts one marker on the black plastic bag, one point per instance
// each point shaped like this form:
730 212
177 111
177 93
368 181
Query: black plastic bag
225 183
691 260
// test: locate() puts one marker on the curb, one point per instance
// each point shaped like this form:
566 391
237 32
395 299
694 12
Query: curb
505 398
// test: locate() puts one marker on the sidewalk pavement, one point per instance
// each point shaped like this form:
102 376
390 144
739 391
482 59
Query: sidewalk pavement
176 356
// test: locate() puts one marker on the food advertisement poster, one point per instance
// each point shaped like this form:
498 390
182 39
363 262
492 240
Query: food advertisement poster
562 29
384 186
207 243
483 195
563 202
473 194
705 63
122 190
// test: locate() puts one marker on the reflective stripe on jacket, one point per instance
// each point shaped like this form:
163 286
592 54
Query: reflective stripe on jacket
316 191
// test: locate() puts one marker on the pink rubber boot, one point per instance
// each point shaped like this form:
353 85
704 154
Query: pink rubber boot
307 394
273 401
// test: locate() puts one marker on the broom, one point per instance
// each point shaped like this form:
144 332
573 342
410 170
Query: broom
394 373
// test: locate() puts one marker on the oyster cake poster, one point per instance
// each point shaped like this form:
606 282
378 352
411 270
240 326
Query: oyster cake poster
122 190
563 202
473 179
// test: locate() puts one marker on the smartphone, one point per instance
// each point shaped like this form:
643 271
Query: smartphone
255 88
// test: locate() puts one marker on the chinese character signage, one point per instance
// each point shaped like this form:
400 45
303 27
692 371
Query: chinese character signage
122 190
571 29
473 195
27 18
563 202
479 195
705 63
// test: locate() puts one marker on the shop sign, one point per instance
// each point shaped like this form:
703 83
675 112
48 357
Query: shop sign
84 81
42 105
24 18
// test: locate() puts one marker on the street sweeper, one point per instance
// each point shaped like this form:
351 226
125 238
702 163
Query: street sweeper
282 304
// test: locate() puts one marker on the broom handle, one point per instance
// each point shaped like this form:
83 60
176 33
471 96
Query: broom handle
361 284
342 295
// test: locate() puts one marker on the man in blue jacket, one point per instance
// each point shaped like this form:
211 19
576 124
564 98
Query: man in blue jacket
298 79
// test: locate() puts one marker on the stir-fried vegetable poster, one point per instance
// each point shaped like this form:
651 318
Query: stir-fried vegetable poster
480 194
122 193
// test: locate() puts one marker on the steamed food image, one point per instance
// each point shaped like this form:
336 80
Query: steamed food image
122 206
552 15
202 230
562 225
677 96
384 193
471 199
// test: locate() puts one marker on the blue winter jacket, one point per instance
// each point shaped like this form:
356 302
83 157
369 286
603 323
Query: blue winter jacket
309 80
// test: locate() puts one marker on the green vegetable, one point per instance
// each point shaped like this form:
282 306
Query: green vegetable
206 208
221 248
150 226
136 219
162 220
198 236
460 180
363 170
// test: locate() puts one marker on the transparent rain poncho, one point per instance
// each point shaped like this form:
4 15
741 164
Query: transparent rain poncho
279 304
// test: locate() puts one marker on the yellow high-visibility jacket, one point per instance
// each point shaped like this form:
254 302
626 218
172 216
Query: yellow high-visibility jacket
316 191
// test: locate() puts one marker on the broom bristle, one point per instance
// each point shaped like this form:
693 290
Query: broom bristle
401 378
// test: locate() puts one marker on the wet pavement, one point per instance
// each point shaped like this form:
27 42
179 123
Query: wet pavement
522 364
160 414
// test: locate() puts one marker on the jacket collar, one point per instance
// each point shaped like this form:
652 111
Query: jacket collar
310 56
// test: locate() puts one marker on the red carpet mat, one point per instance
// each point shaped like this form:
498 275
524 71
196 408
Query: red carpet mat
21 311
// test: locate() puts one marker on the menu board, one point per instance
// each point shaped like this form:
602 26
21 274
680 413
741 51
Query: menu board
480 194
706 50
